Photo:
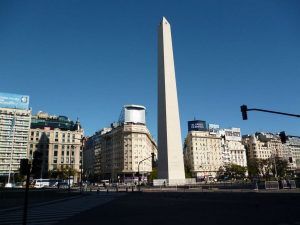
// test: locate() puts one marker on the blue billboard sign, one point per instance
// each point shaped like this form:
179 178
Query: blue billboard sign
197 125
14 101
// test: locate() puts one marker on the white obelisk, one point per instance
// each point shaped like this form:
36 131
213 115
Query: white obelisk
170 153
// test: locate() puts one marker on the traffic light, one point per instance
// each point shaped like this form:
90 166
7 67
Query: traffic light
283 137
244 112
24 166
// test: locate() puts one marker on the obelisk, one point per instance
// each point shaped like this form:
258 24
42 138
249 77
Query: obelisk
170 153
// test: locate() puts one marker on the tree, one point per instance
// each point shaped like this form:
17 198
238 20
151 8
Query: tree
153 174
62 173
235 171
221 173
281 167
253 169
187 170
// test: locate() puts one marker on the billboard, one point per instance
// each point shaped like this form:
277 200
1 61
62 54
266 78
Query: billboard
14 101
197 125
233 134
213 128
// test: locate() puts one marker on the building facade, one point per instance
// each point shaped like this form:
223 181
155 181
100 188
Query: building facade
119 152
233 150
268 145
58 140
15 117
203 153
208 149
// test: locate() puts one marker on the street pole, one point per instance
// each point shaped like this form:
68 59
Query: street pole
81 164
139 169
25 209
244 110
13 123
69 172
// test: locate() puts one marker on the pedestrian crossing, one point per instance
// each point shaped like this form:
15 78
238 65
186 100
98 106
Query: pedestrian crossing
52 213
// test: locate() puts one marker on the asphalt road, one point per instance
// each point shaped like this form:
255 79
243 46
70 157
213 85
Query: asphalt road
15 197
172 208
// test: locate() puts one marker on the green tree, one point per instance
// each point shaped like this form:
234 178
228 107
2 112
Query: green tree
221 173
253 169
62 173
235 171
281 166
153 174
187 170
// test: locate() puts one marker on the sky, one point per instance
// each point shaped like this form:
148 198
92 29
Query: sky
87 59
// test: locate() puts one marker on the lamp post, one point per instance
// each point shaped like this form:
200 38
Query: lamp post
82 140
69 172
152 155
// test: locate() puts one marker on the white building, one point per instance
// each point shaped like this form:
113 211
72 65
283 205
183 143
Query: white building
234 151
119 152
206 150
203 153
268 145
14 128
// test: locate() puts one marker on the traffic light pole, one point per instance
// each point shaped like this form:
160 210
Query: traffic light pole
282 135
139 183
269 111
244 110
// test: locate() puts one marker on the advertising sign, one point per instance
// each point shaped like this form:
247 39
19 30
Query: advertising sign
213 128
197 125
233 134
14 101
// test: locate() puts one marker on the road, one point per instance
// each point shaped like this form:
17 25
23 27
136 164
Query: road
206 208
167 208
52 213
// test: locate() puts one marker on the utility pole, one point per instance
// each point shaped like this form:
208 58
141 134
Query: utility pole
152 156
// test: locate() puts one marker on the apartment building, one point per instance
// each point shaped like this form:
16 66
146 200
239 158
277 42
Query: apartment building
119 152
265 145
15 117
208 149
59 142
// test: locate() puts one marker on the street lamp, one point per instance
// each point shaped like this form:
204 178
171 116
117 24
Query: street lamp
152 156
69 169
82 140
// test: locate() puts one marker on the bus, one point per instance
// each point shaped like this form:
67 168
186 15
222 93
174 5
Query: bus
42 183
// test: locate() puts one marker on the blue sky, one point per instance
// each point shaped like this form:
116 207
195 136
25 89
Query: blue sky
87 59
